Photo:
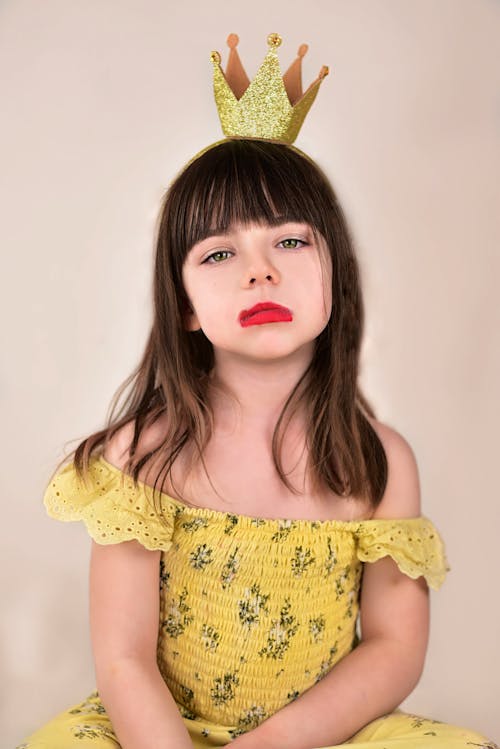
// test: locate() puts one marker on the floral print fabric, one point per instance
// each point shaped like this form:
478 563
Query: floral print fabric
253 611
86 726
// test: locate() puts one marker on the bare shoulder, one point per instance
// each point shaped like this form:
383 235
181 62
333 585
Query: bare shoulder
402 494
117 451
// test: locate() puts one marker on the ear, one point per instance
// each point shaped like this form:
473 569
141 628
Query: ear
191 323
190 317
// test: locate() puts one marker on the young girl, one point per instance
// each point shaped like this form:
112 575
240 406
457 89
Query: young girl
246 505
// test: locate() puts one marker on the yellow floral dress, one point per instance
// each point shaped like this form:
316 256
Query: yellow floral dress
253 611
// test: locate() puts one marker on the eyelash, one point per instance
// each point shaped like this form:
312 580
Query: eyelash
287 239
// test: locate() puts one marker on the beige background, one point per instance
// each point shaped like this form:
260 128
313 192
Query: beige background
103 101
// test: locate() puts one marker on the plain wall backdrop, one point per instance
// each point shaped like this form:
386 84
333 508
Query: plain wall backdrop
102 103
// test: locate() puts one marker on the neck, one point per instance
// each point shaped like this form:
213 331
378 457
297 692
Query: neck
248 397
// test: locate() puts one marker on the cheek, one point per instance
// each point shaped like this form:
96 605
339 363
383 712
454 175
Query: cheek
213 301
216 313
316 285
323 311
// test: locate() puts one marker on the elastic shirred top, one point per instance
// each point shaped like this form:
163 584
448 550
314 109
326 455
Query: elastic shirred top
114 510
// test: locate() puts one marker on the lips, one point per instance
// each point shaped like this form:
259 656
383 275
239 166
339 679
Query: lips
264 312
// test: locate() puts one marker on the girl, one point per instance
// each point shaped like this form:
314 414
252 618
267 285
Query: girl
247 504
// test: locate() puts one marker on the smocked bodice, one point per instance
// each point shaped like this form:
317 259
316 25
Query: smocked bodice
245 602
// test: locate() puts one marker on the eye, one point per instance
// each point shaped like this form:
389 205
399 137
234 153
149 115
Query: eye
214 255
292 243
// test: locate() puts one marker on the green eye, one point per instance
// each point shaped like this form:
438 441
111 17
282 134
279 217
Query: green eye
213 255
291 243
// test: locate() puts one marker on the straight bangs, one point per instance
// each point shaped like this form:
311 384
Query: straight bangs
246 181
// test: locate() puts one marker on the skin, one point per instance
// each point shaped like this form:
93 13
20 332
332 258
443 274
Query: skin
259 365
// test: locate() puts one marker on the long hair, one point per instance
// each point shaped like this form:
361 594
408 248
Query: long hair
247 180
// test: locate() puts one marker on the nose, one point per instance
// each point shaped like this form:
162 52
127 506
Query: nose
261 271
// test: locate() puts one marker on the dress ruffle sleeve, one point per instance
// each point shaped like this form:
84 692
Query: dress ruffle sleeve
413 543
111 507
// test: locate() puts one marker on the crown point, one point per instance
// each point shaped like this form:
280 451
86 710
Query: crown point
274 40
324 71
272 106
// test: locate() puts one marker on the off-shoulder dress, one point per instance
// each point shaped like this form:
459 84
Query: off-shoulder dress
253 611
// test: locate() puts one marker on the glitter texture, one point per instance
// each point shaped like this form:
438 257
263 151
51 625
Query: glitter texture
266 108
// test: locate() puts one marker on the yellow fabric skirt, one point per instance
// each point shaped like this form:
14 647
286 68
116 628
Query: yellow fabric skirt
86 726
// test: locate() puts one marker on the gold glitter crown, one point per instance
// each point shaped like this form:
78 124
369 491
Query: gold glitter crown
271 106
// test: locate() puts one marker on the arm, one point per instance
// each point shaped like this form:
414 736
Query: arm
124 629
374 678
124 615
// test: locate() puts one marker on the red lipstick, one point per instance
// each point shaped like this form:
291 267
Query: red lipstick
264 312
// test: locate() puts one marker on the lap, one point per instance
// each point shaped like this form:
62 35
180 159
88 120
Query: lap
405 731
87 726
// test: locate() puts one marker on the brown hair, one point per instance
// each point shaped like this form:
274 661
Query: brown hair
248 180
